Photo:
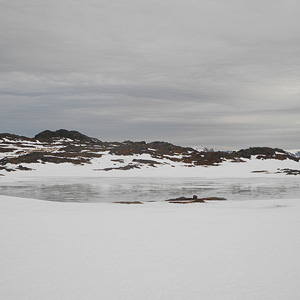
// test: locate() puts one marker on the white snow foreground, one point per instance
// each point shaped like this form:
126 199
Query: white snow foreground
214 251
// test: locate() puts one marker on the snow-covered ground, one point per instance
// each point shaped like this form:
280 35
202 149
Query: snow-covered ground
231 250
166 169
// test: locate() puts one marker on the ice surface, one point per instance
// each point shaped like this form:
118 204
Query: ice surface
92 189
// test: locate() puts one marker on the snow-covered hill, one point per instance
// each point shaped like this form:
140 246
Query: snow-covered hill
294 152
63 152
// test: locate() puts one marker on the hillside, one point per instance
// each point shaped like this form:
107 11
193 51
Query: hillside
72 148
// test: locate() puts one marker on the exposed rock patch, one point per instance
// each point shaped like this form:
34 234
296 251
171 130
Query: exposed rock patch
22 168
289 171
49 136
125 168
5 150
151 163
265 153
14 137
129 202
194 199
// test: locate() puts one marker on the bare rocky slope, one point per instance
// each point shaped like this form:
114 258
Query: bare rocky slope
64 146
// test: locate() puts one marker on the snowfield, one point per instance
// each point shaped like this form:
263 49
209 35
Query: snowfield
165 169
233 250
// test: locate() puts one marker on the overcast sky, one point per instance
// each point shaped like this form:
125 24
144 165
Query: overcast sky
217 73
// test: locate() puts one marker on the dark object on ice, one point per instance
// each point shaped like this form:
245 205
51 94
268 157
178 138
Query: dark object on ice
195 199
129 202
22 168
261 171
214 199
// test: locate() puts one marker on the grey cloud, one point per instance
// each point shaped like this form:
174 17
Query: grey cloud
212 73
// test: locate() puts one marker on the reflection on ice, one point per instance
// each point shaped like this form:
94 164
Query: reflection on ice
146 189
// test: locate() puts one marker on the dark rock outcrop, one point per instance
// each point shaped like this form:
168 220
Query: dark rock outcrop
48 136
63 146
265 153
44 157
148 162
194 199
14 137
128 202
129 148
289 171
156 149
4 150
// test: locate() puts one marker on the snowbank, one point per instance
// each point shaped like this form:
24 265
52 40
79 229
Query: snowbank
213 251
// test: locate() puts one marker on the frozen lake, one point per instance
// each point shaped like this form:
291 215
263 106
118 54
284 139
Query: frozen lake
88 189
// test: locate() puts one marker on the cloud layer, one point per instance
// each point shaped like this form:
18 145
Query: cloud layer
223 74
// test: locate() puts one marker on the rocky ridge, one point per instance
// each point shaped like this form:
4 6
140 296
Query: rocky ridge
64 146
